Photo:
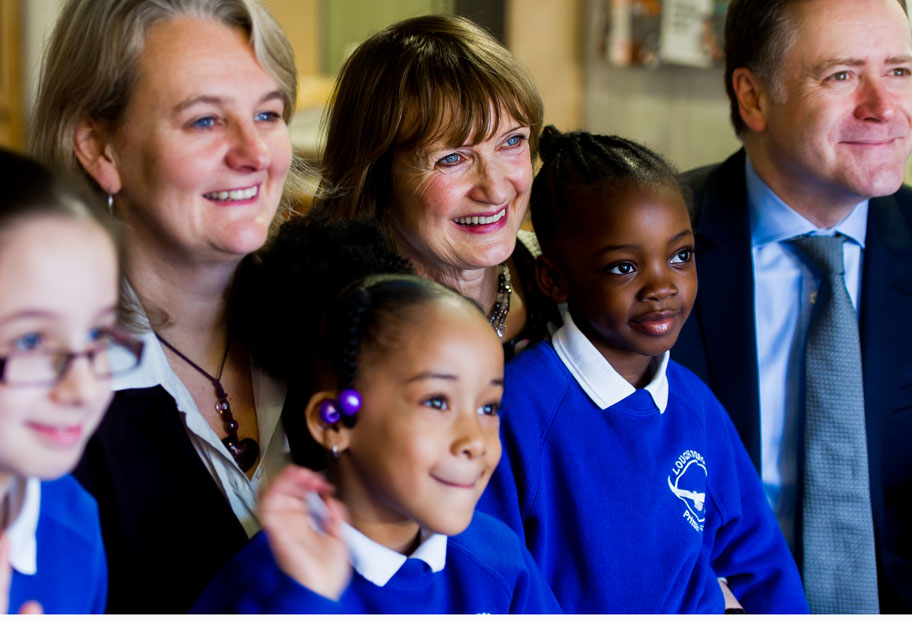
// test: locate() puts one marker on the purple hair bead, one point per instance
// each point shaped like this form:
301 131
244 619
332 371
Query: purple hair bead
329 412
349 402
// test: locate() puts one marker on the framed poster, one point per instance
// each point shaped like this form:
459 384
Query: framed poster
651 32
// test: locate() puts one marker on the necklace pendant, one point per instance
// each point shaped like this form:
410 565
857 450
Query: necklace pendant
244 451
501 309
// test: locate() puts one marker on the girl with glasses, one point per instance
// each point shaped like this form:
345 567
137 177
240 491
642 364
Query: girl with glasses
58 351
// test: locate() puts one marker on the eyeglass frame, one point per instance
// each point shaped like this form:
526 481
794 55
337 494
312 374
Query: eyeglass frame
132 345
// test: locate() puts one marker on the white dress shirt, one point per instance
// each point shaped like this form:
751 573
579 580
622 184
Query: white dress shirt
269 396
783 290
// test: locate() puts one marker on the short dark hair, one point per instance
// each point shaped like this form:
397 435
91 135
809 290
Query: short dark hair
580 161
34 190
758 33
341 289
370 317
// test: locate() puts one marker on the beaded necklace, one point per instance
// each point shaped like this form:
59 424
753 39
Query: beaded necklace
502 302
243 451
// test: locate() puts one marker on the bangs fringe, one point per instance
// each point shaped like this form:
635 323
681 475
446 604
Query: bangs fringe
446 103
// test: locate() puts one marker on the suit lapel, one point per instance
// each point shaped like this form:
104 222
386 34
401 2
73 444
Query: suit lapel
885 301
725 302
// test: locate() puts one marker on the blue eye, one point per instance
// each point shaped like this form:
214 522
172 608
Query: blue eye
97 333
622 269
682 256
449 160
436 402
514 140
207 122
269 117
489 409
28 342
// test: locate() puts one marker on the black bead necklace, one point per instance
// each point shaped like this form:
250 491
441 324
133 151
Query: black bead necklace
244 451
501 309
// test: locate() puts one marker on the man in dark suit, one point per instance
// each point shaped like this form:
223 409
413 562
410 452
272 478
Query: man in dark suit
821 97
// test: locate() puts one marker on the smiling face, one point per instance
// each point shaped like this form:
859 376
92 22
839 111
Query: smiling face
625 266
456 209
202 151
839 132
58 288
426 441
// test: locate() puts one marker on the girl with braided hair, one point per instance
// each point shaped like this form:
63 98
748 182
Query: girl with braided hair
621 471
407 380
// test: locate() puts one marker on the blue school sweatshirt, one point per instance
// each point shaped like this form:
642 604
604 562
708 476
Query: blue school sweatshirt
72 575
488 570
629 510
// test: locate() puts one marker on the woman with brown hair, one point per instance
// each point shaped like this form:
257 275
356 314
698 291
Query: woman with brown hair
433 130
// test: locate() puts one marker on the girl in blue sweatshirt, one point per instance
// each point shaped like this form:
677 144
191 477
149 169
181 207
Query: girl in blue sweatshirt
58 350
622 472
408 381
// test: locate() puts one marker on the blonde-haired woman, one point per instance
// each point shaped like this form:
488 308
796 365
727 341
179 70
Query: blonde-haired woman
175 112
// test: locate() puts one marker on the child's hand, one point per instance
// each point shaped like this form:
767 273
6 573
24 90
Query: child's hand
6 578
317 560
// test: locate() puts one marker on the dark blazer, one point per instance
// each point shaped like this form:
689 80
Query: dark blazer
718 343
167 528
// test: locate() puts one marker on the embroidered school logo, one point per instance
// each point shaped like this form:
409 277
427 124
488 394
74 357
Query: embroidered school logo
688 477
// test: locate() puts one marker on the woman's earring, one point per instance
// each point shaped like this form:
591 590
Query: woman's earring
110 204
335 451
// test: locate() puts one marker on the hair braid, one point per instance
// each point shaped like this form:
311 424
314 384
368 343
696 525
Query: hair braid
357 303
580 161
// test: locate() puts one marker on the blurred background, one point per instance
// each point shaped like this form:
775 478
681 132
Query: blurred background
646 69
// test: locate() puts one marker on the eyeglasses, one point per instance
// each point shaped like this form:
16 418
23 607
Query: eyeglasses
112 354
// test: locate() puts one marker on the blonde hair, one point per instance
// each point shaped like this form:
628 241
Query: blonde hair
91 63
417 81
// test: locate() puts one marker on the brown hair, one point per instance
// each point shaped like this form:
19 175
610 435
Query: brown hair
417 81
37 191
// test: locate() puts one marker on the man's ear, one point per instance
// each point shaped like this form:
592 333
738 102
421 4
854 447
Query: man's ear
91 143
753 99
550 280
327 435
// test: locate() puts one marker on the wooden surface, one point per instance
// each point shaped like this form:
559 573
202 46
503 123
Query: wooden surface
11 122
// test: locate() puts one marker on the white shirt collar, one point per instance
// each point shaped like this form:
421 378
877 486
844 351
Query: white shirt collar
378 564
23 545
596 376
772 221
